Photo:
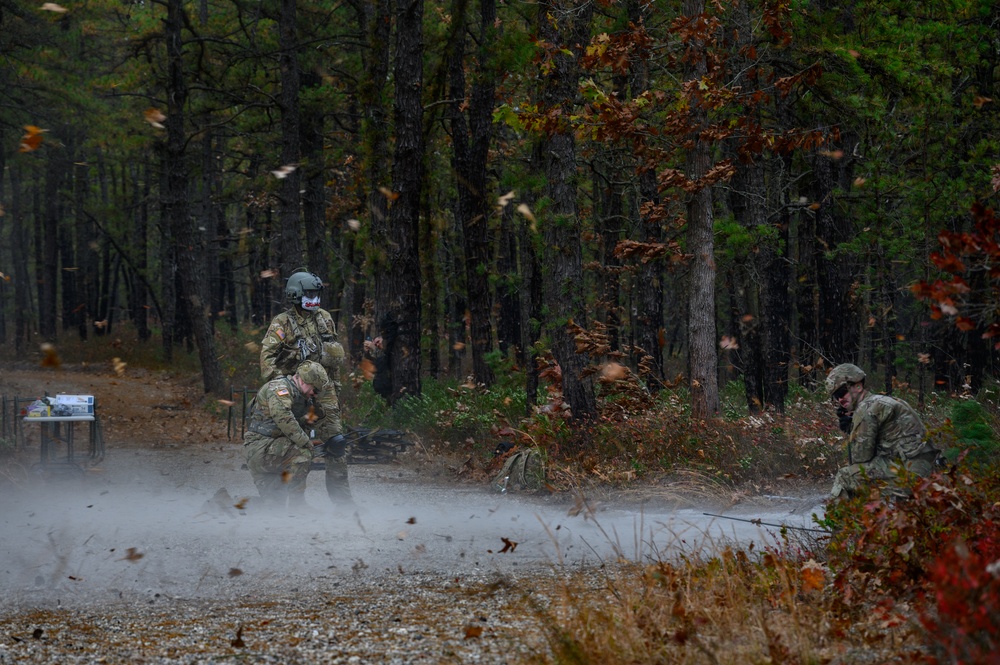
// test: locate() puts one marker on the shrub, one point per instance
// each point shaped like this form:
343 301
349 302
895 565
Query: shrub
973 432
938 549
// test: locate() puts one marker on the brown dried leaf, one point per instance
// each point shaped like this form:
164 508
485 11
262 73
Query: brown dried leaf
132 555
238 642
472 632
50 358
508 545
235 572
155 117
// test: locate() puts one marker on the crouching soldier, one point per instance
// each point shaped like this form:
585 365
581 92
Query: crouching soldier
886 434
287 428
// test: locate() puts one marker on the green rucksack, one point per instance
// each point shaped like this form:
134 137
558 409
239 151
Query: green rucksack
524 470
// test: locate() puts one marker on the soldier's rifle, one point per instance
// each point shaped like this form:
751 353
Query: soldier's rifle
759 522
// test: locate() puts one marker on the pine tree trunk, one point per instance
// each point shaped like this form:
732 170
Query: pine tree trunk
398 289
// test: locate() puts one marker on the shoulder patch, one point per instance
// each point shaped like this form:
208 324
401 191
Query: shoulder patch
280 333
282 392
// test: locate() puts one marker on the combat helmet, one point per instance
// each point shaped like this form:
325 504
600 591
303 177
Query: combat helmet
843 374
313 373
300 282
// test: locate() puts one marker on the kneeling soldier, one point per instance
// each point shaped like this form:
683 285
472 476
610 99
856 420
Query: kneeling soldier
286 429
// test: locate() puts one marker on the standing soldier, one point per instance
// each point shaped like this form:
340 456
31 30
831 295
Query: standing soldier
305 331
885 433
286 429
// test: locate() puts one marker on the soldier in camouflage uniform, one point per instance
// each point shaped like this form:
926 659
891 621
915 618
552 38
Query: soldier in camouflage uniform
286 429
886 434
305 331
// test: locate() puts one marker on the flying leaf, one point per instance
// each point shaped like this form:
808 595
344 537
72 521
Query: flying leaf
268 274
242 503
859 182
155 117
283 171
412 520
388 193
32 138
252 347
227 402
505 199
49 356
286 476
53 7
508 545
119 366
526 211
353 224
728 343
979 101
235 572
613 371
312 416
367 368
924 358
132 555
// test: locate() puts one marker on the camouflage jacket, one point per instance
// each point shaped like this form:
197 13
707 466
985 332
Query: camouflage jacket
294 337
883 426
281 410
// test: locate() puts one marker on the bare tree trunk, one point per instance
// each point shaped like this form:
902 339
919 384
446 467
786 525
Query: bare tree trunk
647 316
289 219
398 289
48 270
703 357
190 242
22 246
470 144
567 25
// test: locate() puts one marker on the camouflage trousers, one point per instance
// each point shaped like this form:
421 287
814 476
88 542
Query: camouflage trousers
278 468
850 479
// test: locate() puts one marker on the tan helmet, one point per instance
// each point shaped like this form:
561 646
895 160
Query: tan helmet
313 373
843 374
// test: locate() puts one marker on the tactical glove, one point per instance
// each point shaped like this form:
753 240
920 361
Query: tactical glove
845 419
335 446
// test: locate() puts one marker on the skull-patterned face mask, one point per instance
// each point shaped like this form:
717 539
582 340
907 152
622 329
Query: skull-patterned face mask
310 301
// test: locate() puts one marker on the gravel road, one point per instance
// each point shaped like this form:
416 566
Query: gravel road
156 556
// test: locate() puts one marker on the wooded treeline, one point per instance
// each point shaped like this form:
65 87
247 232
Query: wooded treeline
729 189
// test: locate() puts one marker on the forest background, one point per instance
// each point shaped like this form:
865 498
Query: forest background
596 191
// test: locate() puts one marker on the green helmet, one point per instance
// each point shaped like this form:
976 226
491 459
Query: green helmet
299 283
843 374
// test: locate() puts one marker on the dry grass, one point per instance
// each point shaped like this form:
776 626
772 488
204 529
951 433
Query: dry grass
738 607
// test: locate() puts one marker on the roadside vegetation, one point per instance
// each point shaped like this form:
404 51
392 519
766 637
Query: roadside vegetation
889 581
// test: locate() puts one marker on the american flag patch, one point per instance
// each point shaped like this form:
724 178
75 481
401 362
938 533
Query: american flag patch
282 392
280 333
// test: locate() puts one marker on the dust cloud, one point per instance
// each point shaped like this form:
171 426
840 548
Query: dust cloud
181 523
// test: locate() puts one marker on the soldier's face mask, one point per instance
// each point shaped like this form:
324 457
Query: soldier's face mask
310 300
